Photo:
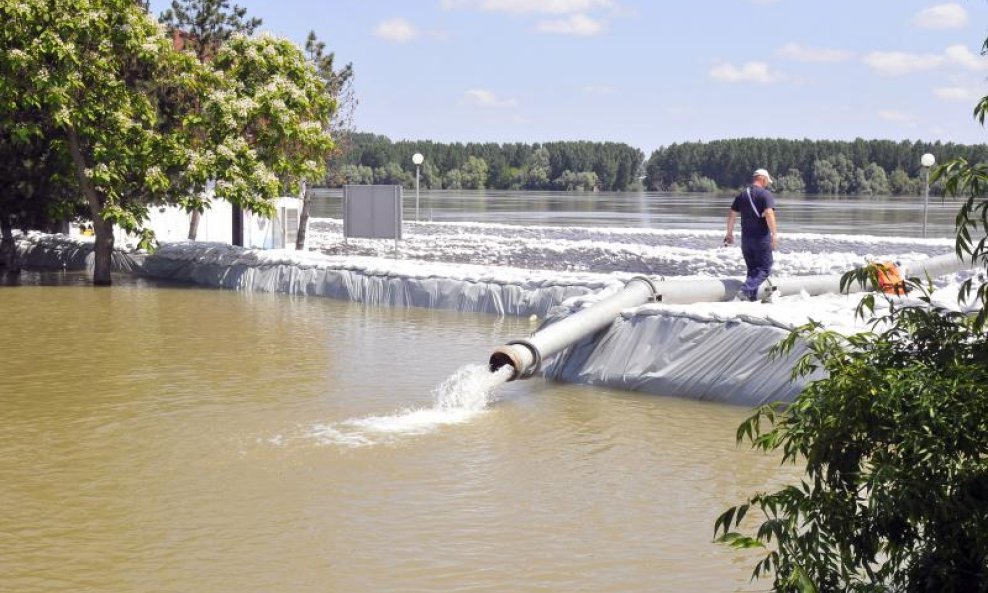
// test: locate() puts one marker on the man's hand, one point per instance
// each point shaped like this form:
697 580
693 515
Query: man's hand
728 240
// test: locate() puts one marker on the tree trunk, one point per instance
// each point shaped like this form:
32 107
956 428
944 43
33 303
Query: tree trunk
237 226
103 229
8 251
303 218
194 225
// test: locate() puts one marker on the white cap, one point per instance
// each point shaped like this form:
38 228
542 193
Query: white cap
762 173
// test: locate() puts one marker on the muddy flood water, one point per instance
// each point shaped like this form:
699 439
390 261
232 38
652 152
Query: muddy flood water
160 438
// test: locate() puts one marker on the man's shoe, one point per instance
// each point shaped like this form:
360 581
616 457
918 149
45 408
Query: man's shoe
772 296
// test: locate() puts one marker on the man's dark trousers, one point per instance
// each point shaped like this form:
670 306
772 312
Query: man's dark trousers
758 258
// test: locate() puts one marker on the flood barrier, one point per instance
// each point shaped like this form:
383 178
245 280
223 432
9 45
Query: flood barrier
374 281
59 252
684 356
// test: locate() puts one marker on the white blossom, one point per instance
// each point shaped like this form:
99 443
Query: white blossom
224 151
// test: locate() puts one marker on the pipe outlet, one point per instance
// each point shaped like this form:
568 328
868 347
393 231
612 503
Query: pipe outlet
521 356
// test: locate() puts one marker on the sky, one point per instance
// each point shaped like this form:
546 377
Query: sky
650 72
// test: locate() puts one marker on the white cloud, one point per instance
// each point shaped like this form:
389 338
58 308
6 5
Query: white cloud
749 72
896 116
794 51
397 30
941 16
530 6
960 54
956 93
576 24
487 99
897 63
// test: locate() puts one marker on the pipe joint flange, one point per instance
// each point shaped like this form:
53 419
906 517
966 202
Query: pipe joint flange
536 358
655 296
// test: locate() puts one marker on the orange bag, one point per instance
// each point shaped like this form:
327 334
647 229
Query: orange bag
890 279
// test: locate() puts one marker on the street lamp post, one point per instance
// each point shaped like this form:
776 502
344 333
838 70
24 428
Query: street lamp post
927 160
417 158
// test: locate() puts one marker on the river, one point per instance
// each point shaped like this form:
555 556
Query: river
900 216
167 439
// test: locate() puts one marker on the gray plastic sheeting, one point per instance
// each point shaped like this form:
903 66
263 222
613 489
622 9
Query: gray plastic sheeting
36 250
219 266
680 356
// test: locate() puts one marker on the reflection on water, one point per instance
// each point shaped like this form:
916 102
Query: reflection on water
879 215
159 439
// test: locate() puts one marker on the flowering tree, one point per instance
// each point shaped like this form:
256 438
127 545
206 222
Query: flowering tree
202 26
142 123
339 87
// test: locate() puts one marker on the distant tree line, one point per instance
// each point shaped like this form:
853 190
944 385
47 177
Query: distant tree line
587 166
860 167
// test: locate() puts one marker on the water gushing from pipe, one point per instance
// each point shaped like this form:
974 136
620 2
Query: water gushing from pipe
464 395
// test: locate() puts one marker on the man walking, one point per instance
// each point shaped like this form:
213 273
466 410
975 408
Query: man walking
758 232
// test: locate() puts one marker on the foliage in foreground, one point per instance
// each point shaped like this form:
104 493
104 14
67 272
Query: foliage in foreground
894 439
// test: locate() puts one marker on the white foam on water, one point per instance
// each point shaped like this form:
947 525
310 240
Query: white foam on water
466 394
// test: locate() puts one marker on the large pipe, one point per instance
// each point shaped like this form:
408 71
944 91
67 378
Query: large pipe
525 356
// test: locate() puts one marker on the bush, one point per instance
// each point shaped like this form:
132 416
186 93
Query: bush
699 183
895 442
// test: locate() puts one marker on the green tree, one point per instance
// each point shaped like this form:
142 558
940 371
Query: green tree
430 176
900 183
114 95
871 181
37 193
393 174
577 181
791 182
202 26
474 173
699 183
339 89
85 68
538 170
826 179
453 179
357 174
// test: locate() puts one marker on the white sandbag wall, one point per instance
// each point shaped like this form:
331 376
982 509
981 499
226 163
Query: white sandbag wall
666 352
59 252
398 284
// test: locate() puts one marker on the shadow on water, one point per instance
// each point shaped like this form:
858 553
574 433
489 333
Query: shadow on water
77 278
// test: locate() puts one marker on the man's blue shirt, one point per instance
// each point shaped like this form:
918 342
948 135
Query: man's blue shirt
754 228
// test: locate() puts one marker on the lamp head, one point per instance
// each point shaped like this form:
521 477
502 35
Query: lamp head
928 160
417 158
